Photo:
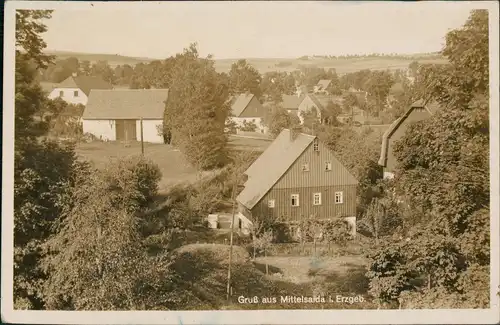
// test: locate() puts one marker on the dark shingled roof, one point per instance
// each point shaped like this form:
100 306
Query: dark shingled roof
126 104
431 108
85 83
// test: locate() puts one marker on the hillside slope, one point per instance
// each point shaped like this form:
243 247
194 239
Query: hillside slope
342 65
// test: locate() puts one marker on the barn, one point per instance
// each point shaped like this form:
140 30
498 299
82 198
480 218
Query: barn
115 115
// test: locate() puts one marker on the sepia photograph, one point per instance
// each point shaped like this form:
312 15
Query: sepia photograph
250 162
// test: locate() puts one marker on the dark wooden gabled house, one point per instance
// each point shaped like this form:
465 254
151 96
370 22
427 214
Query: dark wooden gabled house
298 177
418 111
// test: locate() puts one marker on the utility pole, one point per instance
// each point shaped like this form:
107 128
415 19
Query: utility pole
142 139
233 194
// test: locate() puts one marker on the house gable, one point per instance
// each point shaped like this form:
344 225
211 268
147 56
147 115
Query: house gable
308 104
307 185
317 175
417 114
253 109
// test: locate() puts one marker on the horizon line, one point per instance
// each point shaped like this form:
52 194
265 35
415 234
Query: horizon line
214 57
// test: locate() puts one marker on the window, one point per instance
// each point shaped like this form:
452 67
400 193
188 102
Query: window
61 93
305 167
316 146
339 197
317 199
75 93
328 166
295 200
270 204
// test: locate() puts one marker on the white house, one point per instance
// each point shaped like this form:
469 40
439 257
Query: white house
76 89
115 115
247 109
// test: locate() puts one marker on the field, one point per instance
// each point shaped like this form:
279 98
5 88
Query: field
263 65
248 143
342 66
172 163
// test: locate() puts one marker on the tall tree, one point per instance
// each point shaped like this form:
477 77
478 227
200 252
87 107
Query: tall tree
197 109
244 77
29 97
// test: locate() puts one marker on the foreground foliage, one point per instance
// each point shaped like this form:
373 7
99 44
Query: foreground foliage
443 178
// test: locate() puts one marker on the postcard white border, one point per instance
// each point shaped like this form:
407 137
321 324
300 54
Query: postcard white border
486 316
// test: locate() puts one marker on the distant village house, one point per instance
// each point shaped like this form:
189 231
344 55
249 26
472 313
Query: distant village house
319 104
247 111
291 103
417 112
115 115
76 89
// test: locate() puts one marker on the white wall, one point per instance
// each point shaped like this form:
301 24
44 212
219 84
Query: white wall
103 129
388 175
69 95
257 120
150 131
351 221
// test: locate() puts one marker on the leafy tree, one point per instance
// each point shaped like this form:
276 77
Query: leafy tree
197 109
123 74
280 119
244 77
276 84
413 67
378 86
103 70
85 68
263 242
97 260
29 98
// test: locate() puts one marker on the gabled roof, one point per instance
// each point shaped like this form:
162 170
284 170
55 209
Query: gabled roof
271 165
240 104
292 102
323 84
431 108
126 104
322 101
85 83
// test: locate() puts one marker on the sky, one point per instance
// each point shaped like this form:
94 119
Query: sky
254 29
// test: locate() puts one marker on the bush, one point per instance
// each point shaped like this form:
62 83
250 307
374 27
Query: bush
145 174
248 126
